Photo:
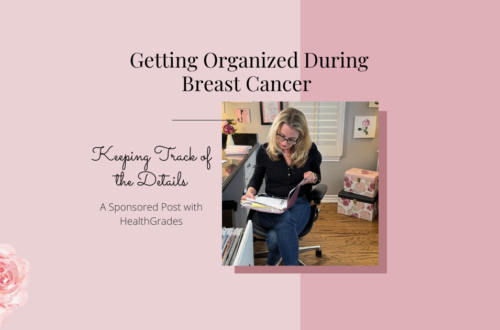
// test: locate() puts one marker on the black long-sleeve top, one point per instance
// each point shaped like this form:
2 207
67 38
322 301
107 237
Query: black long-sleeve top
281 178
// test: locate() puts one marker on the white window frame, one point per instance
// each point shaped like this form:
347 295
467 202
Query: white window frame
338 149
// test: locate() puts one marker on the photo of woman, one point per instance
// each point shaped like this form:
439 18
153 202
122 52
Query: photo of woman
288 158
303 190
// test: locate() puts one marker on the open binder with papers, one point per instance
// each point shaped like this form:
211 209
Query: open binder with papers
272 205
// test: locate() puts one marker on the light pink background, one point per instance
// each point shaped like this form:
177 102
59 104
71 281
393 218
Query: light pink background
67 86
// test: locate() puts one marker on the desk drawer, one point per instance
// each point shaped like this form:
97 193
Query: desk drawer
249 169
250 166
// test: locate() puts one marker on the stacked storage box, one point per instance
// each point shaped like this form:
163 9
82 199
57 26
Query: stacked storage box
359 198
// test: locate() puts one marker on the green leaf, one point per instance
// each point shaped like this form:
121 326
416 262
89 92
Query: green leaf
359 129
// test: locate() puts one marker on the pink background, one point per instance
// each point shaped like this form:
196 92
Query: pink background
429 68
67 86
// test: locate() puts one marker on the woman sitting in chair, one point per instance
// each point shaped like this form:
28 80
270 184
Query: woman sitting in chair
285 161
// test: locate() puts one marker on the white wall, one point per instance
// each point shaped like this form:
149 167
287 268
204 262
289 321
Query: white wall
254 126
360 153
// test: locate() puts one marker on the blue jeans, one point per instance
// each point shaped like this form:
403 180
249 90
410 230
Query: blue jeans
282 238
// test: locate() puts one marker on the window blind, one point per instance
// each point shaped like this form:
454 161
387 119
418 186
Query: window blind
326 126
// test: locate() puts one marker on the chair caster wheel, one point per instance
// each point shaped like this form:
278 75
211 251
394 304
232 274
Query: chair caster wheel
319 254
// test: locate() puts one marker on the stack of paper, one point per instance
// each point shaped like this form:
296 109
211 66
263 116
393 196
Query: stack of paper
265 204
237 150
272 205
231 238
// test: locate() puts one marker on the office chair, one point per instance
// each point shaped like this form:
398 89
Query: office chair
315 196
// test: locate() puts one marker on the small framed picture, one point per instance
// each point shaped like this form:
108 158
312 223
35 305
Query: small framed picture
269 111
242 115
365 127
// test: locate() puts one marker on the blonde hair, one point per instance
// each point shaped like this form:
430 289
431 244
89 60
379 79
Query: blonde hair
297 121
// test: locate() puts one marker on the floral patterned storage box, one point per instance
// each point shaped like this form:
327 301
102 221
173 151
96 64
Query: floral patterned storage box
361 182
357 206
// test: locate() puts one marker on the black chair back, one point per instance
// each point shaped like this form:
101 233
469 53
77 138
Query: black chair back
312 218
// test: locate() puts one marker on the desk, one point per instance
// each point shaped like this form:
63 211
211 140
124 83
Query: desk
236 163
236 174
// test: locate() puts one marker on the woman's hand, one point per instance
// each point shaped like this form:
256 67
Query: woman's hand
250 193
310 178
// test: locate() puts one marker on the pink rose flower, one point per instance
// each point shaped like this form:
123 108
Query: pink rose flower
372 185
346 179
360 205
340 210
348 184
355 215
360 186
365 215
228 129
366 123
369 207
13 281
345 202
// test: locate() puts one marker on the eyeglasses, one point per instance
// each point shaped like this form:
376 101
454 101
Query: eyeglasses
288 141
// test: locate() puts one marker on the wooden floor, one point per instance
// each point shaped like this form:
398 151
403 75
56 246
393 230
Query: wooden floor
344 240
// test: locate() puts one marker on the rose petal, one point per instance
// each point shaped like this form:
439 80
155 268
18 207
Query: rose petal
7 248
13 281
5 300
